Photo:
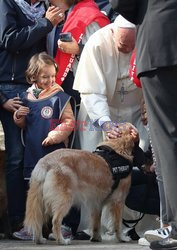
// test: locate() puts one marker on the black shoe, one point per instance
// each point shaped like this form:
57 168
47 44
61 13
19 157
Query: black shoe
81 236
168 244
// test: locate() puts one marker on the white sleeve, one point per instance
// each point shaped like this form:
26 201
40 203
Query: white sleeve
97 108
90 29
90 76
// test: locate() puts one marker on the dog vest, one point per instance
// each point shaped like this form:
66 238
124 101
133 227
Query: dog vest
119 166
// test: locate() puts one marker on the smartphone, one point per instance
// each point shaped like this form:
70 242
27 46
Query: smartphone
65 37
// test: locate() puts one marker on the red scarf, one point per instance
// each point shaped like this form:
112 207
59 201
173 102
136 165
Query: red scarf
83 14
132 70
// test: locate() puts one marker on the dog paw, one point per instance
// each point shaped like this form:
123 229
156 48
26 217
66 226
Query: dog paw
40 240
43 240
64 242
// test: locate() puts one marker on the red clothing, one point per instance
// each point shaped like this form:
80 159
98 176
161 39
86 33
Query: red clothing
132 71
83 14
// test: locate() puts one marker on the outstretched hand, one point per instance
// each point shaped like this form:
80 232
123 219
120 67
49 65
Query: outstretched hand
111 130
114 130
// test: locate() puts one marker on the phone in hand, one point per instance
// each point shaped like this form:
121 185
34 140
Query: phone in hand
65 37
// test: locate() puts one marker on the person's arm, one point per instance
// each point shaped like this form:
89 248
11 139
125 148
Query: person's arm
97 108
14 37
127 8
91 82
63 130
76 48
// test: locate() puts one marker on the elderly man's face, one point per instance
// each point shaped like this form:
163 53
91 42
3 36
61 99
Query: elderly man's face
125 39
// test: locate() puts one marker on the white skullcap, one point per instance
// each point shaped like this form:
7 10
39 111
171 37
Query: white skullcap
121 22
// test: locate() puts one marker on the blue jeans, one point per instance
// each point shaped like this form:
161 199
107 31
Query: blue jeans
14 158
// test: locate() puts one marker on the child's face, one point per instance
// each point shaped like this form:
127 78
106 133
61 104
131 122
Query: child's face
46 77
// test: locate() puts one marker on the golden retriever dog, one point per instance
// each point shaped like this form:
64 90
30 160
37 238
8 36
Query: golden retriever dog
68 177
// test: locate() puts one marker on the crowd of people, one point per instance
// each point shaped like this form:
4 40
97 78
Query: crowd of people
58 94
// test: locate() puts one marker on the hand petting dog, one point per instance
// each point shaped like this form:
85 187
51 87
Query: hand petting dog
114 130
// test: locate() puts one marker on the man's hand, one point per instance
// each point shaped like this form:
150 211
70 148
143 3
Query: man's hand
12 105
134 133
111 130
114 130
55 15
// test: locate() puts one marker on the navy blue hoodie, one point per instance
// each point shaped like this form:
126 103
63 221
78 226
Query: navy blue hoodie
20 39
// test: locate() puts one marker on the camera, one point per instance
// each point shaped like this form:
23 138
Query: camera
65 37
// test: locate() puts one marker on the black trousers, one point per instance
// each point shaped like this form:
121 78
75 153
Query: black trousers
160 93
67 85
72 219
143 195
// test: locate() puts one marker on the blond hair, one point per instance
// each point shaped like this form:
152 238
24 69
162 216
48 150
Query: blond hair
35 65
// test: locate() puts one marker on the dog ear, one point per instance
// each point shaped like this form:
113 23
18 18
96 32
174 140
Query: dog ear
124 145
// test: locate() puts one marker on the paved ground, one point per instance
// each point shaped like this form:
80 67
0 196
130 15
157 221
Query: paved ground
80 245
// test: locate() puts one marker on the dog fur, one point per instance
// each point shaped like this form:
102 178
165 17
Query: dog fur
68 177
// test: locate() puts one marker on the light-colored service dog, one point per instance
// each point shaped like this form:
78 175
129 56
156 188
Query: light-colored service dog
69 177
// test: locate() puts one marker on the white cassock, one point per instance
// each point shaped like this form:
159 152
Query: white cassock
107 93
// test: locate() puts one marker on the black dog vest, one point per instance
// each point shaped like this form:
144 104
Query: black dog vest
119 166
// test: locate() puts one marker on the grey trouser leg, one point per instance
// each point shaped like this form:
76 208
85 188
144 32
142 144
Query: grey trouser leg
163 209
160 93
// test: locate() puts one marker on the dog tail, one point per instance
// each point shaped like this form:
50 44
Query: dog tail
34 216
